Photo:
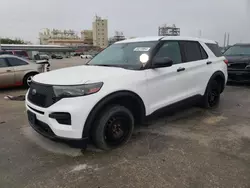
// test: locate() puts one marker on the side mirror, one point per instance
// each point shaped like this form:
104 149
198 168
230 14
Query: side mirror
162 62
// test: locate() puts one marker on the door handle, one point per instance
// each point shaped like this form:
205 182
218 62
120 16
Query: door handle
180 69
209 62
8 71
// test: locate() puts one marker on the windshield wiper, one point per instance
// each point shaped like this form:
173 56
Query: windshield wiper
106 65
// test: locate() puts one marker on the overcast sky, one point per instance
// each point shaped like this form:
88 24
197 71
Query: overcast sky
25 18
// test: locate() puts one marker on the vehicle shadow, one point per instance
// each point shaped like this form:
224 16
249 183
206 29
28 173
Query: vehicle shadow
239 84
12 89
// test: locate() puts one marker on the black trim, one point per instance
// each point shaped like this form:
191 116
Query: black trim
61 117
191 101
44 130
105 101
38 111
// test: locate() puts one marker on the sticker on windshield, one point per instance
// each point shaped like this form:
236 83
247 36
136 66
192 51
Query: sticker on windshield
141 49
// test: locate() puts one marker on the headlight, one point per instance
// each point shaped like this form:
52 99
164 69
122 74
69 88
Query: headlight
76 90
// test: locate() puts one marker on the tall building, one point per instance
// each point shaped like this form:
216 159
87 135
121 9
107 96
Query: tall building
100 32
87 36
168 31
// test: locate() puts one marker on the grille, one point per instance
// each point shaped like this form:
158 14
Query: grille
41 95
237 65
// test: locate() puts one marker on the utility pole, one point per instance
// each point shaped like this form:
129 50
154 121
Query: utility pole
225 38
200 33
228 38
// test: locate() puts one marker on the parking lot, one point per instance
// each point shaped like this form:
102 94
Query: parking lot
190 148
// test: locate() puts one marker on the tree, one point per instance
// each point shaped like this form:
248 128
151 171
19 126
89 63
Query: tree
11 41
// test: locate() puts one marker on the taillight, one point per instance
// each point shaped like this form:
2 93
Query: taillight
226 61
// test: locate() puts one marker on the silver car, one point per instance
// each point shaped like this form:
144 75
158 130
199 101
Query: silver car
16 71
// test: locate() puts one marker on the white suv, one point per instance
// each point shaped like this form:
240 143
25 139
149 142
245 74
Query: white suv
131 79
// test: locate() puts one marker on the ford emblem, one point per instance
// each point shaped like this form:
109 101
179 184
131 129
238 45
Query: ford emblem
33 91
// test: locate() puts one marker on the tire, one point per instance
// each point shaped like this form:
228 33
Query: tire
211 98
27 79
114 121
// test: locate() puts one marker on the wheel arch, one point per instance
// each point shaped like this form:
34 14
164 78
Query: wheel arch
118 97
29 73
219 76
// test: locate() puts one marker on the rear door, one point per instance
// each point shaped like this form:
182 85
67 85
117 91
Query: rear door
20 68
6 74
196 63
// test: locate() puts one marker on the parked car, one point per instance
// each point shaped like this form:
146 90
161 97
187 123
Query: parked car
128 81
238 57
56 56
19 53
86 56
44 57
16 71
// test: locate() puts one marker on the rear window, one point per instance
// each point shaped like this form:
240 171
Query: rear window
215 49
193 51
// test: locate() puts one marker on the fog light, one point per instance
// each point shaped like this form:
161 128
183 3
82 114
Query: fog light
61 117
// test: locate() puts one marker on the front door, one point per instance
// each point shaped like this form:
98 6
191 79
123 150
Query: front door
167 85
6 74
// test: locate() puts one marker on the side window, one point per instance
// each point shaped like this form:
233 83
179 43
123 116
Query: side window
203 53
193 51
3 63
170 49
215 49
16 62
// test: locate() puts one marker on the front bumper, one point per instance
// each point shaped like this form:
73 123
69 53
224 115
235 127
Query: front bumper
239 75
78 108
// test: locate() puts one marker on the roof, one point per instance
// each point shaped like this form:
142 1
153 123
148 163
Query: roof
188 39
8 55
157 38
141 39
242 44
31 45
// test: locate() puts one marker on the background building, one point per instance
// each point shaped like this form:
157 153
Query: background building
117 37
168 30
87 36
60 37
100 32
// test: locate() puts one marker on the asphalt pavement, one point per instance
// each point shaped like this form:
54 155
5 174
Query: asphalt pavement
190 148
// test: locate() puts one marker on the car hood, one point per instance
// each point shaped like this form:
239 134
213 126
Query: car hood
79 75
238 59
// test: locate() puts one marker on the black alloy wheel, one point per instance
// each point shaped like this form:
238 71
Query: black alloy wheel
117 129
214 94
113 127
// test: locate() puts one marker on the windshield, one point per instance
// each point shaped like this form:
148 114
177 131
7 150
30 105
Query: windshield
126 55
238 50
